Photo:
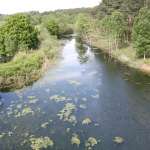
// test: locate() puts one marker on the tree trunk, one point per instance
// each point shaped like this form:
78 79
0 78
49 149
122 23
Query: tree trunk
144 56
127 35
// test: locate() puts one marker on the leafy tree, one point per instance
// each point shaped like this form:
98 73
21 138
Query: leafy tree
53 27
117 25
20 31
141 32
81 23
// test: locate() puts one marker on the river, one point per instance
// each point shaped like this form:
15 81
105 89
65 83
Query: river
114 97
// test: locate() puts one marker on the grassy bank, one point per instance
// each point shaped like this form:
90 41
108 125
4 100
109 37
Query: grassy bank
125 53
26 67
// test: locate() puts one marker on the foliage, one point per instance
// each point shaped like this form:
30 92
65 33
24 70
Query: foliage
39 143
118 140
53 27
20 32
81 23
141 32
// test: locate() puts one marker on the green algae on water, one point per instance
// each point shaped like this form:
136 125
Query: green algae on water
68 129
31 96
75 140
84 99
91 142
27 111
74 82
19 105
95 96
72 119
76 99
33 101
47 90
118 140
83 106
39 143
44 125
86 121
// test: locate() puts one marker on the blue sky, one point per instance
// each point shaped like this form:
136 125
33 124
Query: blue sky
14 6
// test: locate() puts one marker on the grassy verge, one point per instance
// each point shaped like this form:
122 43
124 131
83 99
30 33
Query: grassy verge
26 67
125 53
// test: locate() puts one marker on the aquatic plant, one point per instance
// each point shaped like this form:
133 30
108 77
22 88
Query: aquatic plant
19 114
96 124
33 101
95 96
74 82
68 129
39 143
25 134
91 141
76 99
47 90
72 119
93 72
19 105
86 121
9 113
44 125
10 133
25 141
84 99
118 140
31 96
75 140
83 106
27 111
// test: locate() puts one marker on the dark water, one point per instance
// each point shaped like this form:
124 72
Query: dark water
122 109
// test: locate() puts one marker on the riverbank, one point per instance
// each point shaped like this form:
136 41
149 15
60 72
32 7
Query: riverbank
27 67
125 53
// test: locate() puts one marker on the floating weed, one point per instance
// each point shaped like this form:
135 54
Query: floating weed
31 96
96 124
33 101
62 92
25 141
1 136
9 113
74 82
75 140
91 142
12 102
27 111
10 133
47 90
19 114
93 72
67 111
25 134
44 125
118 140
72 119
95 96
86 121
83 106
39 143
68 130
84 99
50 120
19 105
76 99
96 90
15 127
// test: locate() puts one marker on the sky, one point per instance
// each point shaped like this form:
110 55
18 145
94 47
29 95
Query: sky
15 6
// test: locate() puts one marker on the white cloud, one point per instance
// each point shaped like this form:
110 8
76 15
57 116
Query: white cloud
14 6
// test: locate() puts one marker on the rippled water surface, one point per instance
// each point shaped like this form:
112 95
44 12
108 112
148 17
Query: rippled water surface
117 100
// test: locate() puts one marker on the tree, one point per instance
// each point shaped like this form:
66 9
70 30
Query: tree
53 27
117 25
18 30
141 32
81 23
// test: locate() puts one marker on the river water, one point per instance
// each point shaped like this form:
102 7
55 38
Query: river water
117 99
